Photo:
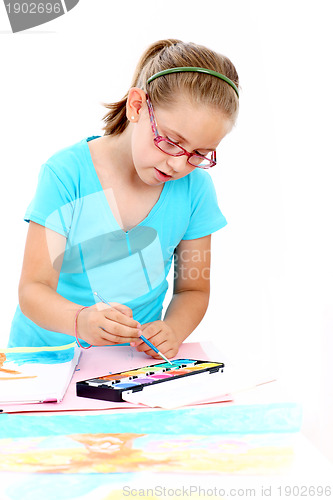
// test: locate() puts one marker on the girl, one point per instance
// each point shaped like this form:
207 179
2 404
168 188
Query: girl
110 213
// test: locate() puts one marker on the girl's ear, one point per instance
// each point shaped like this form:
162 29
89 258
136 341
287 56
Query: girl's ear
135 100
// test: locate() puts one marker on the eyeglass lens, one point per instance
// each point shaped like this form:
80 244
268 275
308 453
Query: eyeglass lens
174 150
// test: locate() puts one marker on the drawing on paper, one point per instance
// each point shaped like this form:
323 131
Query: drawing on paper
36 374
131 452
11 374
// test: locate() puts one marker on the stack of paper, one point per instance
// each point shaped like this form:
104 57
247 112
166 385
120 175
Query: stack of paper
36 374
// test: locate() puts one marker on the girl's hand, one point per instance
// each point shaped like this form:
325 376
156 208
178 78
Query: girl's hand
162 336
107 325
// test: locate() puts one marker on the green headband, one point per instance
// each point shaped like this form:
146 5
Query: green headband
194 69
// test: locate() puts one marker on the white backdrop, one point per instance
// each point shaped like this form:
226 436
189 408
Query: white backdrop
272 269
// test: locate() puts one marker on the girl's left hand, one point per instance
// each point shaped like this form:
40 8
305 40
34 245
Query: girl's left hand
162 336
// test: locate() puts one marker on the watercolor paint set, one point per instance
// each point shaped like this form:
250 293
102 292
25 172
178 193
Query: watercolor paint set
115 386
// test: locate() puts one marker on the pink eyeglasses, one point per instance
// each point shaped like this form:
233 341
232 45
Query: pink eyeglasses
173 149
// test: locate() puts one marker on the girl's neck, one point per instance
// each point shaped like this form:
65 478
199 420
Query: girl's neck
113 160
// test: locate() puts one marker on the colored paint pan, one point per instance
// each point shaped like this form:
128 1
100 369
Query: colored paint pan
145 380
208 365
124 385
152 369
177 372
132 373
111 377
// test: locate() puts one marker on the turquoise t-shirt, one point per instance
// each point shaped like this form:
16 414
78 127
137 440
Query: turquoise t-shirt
126 267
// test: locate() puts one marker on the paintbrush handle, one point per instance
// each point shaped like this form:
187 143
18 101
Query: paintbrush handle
155 349
101 298
150 344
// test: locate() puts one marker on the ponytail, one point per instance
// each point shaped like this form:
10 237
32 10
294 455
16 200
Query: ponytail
116 120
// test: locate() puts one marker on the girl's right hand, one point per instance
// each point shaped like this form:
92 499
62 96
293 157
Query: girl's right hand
108 325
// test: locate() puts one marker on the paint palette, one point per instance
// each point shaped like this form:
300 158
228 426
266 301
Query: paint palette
111 387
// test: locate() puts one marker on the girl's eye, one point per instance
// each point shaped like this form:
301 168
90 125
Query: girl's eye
171 140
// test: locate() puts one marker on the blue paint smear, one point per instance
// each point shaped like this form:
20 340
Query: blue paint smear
44 357
63 486
260 418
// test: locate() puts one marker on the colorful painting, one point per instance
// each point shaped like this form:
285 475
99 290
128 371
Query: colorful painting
10 374
131 452
212 419
64 457
33 374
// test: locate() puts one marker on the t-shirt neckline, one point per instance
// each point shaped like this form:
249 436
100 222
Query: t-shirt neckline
154 209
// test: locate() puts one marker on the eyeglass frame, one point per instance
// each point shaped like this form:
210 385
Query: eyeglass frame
158 138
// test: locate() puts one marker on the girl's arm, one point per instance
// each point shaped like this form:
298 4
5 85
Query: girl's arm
190 298
191 286
39 300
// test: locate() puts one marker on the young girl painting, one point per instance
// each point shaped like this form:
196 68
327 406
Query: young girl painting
112 212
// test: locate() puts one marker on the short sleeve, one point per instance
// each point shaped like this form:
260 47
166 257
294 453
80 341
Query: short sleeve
52 205
206 216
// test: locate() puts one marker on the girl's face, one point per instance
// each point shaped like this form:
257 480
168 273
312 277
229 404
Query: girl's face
197 128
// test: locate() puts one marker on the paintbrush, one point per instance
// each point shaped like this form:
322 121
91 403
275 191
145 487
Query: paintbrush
141 336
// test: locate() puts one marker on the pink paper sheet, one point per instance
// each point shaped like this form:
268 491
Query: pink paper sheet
100 361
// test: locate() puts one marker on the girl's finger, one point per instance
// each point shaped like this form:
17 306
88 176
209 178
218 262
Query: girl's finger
151 353
157 339
119 317
111 338
118 330
122 332
122 308
143 347
145 326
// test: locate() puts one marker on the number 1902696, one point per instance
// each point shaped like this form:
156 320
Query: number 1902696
34 8
305 491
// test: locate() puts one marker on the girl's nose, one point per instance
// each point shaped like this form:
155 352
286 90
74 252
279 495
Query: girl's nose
177 163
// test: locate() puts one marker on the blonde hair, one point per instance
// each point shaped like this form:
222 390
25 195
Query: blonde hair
201 88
